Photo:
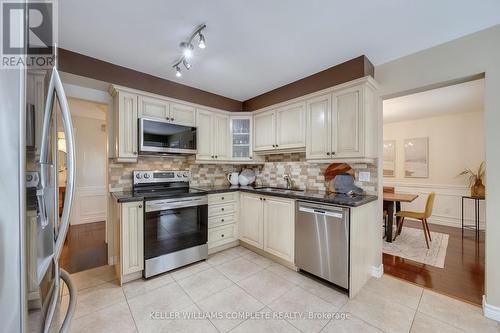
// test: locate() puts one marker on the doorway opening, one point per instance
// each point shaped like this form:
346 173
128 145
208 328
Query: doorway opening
434 207
85 245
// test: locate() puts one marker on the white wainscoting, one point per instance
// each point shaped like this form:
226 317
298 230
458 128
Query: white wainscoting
447 205
89 205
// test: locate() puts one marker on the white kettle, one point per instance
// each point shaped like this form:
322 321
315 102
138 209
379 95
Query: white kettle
233 178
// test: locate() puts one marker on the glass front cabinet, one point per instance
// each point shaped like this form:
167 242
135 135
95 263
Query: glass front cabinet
241 138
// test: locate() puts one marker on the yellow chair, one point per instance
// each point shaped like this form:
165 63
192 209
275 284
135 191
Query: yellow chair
419 216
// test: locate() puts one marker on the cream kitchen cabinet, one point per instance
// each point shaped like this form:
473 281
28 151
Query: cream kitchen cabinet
161 109
342 124
268 223
213 137
129 243
291 126
222 219
182 114
252 220
125 120
279 226
319 127
281 129
264 130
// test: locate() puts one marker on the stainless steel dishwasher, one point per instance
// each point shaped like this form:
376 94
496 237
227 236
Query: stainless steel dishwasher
322 241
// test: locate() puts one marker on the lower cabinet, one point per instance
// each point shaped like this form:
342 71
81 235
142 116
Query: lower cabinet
279 226
252 220
268 223
222 219
130 227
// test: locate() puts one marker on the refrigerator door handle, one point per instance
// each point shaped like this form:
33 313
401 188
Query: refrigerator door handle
56 88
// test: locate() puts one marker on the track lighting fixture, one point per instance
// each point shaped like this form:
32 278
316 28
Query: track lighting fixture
202 42
187 50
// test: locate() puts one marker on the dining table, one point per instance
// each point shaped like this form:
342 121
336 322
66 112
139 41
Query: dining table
391 201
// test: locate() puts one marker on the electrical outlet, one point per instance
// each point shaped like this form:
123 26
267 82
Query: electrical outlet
364 176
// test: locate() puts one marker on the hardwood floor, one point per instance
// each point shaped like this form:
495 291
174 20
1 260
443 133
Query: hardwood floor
85 247
463 274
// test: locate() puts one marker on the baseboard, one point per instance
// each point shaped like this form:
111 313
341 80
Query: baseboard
491 311
378 271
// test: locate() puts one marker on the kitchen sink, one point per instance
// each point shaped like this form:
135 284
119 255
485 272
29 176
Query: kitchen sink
278 189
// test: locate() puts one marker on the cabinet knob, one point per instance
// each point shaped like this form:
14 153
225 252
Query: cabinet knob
222 198
222 235
215 156
172 119
135 153
276 145
250 157
222 209
264 199
212 156
140 206
333 153
328 154
168 118
222 220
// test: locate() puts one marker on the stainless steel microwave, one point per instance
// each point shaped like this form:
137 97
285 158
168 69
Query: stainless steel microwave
163 137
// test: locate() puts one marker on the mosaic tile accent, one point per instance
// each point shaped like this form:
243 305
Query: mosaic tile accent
304 174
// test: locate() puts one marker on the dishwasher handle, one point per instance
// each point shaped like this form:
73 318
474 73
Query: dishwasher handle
320 211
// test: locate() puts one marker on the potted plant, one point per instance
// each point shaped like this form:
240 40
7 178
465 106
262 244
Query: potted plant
477 188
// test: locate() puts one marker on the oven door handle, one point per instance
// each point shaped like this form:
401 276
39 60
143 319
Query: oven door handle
153 206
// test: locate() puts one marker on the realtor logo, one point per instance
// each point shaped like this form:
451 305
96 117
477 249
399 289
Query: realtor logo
28 34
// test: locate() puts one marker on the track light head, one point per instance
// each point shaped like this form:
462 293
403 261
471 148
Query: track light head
202 44
187 49
178 72
186 64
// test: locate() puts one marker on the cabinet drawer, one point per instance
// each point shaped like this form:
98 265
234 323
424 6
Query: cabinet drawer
214 210
221 235
222 197
221 220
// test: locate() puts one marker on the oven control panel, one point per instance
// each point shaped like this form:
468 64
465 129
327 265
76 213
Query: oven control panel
151 177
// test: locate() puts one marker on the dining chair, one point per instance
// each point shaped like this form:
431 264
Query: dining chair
387 189
422 216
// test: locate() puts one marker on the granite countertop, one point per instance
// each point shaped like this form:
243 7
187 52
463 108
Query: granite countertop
126 196
308 195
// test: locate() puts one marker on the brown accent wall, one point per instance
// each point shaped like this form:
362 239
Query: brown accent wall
344 72
79 64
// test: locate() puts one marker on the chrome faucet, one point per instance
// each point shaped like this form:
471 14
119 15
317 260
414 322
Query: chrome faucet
289 181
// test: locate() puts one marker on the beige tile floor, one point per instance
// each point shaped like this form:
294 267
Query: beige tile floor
240 281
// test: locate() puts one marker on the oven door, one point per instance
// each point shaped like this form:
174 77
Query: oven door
172 225
156 136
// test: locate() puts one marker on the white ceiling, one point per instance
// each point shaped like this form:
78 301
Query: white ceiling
258 45
459 98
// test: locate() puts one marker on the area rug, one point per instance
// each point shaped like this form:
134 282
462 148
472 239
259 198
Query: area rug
411 245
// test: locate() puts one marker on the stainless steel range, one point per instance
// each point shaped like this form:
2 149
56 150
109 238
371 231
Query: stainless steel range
175 220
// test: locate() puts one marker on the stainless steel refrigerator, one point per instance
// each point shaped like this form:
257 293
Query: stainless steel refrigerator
34 118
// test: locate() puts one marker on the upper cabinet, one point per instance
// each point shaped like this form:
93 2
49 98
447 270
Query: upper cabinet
157 108
125 120
241 138
182 114
342 124
264 131
281 129
212 136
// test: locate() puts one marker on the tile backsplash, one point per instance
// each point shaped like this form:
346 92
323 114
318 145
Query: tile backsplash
304 174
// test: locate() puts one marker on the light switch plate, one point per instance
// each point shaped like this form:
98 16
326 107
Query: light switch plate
364 176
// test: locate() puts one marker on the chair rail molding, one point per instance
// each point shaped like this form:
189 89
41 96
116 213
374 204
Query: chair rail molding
448 203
